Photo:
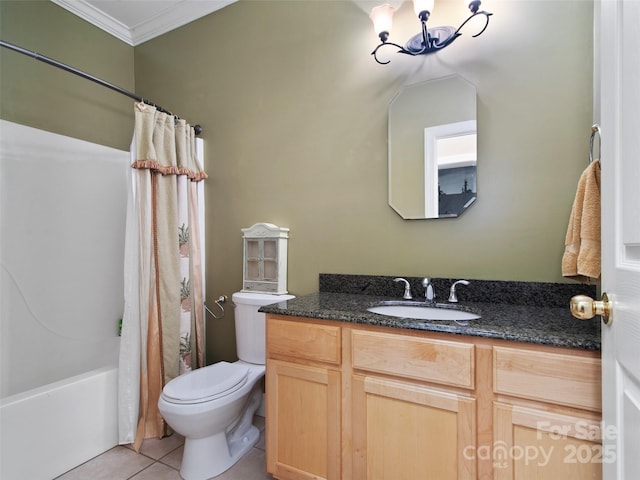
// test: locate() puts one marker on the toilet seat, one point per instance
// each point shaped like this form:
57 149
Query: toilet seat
206 384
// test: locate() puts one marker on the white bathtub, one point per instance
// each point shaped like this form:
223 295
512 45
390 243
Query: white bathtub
52 429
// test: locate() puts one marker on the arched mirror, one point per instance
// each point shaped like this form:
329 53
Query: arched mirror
432 149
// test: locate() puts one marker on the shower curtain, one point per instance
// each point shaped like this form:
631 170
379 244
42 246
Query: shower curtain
163 324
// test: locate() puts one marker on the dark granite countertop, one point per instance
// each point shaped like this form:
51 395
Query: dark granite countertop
547 325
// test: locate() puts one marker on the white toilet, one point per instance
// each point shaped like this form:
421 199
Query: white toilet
213 406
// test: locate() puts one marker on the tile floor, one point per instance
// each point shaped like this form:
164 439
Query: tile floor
160 460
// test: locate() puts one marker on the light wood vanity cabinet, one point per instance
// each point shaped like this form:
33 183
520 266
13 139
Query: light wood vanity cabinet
304 395
356 402
407 423
547 415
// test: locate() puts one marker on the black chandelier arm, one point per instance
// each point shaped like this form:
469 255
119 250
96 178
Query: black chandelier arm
486 24
375 52
429 46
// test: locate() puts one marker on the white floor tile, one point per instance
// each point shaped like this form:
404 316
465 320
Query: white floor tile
157 471
119 463
250 467
158 448
173 459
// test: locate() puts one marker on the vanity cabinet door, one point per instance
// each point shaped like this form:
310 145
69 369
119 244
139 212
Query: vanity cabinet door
303 396
533 443
546 416
408 431
303 421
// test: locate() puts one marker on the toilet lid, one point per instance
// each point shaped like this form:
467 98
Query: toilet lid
206 383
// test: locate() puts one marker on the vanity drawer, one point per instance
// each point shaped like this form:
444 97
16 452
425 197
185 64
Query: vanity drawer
304 340
559 378
449 363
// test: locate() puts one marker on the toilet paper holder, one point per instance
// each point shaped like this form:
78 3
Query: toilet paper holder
221 299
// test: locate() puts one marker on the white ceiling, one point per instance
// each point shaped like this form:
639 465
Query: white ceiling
136 21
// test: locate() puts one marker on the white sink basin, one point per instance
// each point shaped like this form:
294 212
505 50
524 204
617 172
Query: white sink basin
423 312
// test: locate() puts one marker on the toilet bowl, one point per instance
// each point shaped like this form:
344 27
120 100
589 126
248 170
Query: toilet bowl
213 406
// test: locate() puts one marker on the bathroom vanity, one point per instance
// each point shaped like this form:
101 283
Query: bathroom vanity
356 395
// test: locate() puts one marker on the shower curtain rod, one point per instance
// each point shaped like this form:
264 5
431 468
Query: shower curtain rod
197 129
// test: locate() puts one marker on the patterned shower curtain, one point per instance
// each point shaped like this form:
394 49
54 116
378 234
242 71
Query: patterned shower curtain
163 324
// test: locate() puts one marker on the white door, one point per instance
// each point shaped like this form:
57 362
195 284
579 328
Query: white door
619 57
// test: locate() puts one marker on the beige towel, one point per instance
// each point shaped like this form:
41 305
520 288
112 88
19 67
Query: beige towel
581 259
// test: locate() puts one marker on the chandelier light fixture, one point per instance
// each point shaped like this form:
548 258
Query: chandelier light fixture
430 39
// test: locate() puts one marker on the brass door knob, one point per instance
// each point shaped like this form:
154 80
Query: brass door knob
584 308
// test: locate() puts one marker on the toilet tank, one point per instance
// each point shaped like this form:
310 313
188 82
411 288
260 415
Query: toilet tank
250 324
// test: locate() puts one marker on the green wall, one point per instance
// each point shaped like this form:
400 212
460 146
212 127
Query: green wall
294 111
38 95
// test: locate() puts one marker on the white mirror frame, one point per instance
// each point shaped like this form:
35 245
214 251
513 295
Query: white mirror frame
432 161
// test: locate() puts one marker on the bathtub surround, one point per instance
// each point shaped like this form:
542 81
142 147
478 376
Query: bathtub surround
63 206
163 324
61 256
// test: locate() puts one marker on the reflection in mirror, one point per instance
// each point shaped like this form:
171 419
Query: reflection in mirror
450 168
432 149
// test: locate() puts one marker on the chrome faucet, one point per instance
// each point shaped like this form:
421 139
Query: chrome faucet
407 288
429 291
453 298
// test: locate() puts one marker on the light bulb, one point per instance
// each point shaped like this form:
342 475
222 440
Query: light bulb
420 6
382 18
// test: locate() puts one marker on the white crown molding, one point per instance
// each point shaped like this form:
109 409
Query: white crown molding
176 14
98 18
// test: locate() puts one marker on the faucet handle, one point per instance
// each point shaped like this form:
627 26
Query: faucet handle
453 298
407 288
